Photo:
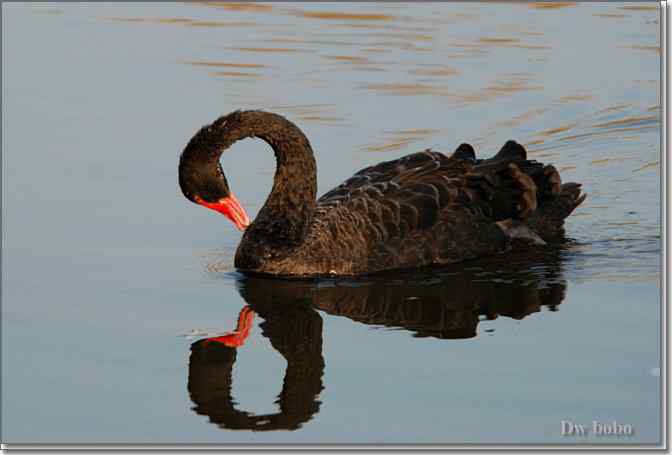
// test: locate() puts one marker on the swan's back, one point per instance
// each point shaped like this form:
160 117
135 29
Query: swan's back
429 208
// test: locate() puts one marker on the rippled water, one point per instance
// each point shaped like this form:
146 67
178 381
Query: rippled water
112 281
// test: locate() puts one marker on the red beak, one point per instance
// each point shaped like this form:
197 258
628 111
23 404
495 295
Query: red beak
230 208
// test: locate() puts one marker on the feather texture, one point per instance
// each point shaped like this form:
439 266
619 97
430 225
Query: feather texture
428 208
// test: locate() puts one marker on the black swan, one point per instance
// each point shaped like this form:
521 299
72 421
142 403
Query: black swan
423 209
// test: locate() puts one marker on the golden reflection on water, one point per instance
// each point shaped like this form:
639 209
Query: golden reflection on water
571 98
318 119
234 74
401 45
559 129
522 118
618 107
629 121
640 8
493 42
611 15
392 26
231 72
653 165
182 21
303 109
226 64
551 5
355 25
312 42
348 59
398 140
510 84
242 6
270 50
445 71
654 49
127 19
376 50
396 35
605 133
506 86
370 69
342 16
498 40
311 113
405 89
415 131
390 146
285 40
219 24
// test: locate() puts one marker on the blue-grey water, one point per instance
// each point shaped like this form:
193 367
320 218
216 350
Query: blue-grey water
111 280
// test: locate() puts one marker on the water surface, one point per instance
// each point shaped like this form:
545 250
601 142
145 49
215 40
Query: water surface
112 280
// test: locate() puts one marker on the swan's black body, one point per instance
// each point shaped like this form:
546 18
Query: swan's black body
422 209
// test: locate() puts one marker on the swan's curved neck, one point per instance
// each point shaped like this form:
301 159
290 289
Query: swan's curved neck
286 216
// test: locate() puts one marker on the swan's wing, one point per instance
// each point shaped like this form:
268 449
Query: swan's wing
379 175
397 197
414 193
430 208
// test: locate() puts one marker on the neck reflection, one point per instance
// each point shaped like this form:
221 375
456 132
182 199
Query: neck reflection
446 303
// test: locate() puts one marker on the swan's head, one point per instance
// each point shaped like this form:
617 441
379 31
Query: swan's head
204 183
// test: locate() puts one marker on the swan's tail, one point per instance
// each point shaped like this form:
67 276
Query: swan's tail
549 218
544 201
525 194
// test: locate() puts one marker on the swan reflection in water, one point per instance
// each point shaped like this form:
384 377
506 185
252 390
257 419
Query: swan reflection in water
447 303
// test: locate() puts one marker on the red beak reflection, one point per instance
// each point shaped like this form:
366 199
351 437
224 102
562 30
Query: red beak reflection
237 338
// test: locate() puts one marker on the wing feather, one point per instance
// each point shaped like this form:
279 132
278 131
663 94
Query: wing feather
428 207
